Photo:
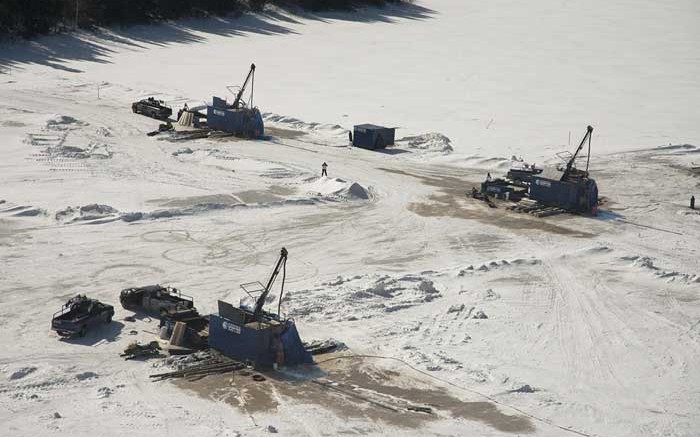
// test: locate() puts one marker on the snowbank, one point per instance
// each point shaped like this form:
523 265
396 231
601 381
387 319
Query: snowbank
362 297
430 142
335 189
646 263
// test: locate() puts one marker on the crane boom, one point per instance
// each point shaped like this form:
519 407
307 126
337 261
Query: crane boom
281 262
251 73
570 163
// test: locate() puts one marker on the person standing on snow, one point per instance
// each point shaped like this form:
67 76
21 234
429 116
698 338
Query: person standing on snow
692 202
324 166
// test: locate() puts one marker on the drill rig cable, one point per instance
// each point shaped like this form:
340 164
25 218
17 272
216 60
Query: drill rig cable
284 275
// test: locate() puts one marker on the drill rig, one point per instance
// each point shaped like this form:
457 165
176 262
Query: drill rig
238 118
573 190
253 335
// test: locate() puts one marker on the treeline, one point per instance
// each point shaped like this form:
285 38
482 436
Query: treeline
27 18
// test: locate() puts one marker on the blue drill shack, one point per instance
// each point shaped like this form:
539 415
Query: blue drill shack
264 343
370 136
238 118
257 336
549 189
568 188
240 121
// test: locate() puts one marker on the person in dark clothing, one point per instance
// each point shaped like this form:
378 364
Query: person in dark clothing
350 136
692 202
488 177
324 166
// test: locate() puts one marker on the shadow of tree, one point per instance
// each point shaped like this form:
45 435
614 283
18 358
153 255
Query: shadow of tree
56 51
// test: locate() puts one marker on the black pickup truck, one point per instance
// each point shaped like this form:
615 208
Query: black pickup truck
79 314
155 299
153 108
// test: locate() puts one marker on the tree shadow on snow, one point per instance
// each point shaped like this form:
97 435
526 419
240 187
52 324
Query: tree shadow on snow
389 13
56 51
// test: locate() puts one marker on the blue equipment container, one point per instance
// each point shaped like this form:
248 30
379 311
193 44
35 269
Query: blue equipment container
571 189
370 136
258 342
240 121
255 335
579 196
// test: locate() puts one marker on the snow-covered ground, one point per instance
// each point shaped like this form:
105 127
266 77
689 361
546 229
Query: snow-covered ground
592 324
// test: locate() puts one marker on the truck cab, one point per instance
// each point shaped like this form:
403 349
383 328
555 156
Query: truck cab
155 299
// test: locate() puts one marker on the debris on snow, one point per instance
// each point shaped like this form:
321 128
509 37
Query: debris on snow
86 375
480 315
104 392
523 389
22 372
456 308
183 151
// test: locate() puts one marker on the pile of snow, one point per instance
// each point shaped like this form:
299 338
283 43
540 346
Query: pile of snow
495 164
86 213
497 264
335 189
295 123
362 297
647 263
321 134
183 151
430 142
678 148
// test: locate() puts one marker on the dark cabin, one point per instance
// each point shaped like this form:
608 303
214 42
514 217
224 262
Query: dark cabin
372 137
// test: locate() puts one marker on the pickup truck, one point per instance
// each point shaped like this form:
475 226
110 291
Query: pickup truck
155 299
153 108
79 314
